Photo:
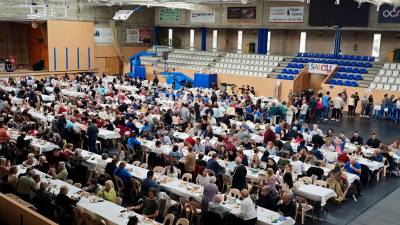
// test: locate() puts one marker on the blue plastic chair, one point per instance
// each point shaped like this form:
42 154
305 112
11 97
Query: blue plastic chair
351 57
345 76
363 71
351 77
284 70
338 75
355 70
358 58
358 77
347 83
339 82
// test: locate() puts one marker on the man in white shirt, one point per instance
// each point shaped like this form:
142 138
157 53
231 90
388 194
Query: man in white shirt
337 107
101 164
316 131
303 111
247 209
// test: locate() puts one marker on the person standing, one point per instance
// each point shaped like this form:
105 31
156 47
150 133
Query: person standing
356 100
239 175
350 106
325 104
92 132
337 107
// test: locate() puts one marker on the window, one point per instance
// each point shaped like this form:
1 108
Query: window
268 42
240 41
191 43
303 36
170 33
215 40
376 45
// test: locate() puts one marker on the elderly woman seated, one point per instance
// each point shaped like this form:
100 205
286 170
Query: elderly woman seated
108 192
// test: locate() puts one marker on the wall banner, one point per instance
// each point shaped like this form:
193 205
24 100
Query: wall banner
388 14
202 17
286 14
170 15
103 35
321 68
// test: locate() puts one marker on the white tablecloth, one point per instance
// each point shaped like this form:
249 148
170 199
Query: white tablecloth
48 98
42 145
107 134
264 216
315 193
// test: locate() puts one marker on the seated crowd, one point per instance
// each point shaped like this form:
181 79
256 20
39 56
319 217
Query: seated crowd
216 141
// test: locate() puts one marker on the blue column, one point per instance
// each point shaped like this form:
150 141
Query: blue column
337 42
262 41
203 38
156 35
54 59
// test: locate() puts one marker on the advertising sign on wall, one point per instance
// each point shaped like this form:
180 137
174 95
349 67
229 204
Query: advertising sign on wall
138 35
202 17
388 14
242 12
286 14
103 35
321 68
170 15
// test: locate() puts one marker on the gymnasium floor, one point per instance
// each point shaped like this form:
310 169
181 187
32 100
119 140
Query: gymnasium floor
379 204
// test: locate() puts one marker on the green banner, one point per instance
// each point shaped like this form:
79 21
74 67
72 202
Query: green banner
170 15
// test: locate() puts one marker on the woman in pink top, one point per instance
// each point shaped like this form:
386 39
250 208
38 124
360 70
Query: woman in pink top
272 180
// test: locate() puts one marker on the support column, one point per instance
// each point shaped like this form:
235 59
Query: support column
262 41
203 38
157 35
337 42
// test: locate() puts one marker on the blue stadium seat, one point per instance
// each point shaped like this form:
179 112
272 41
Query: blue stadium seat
371 58
347 83
338 75
290 65
358 58
289 71
339 82
354 84
359 64
348 69
299 54
291 77
346 63
365 58
285 77
346 57
339 57
305 54
342 69
363 71
353 64
284 70
345 76
358 77
351 57
351 77
333 81
301 65
355 70
306 60
280 76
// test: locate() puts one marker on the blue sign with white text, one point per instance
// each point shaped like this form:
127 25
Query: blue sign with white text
388 14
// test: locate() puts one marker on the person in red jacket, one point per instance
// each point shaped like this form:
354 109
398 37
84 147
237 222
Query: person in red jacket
343 157
269 134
